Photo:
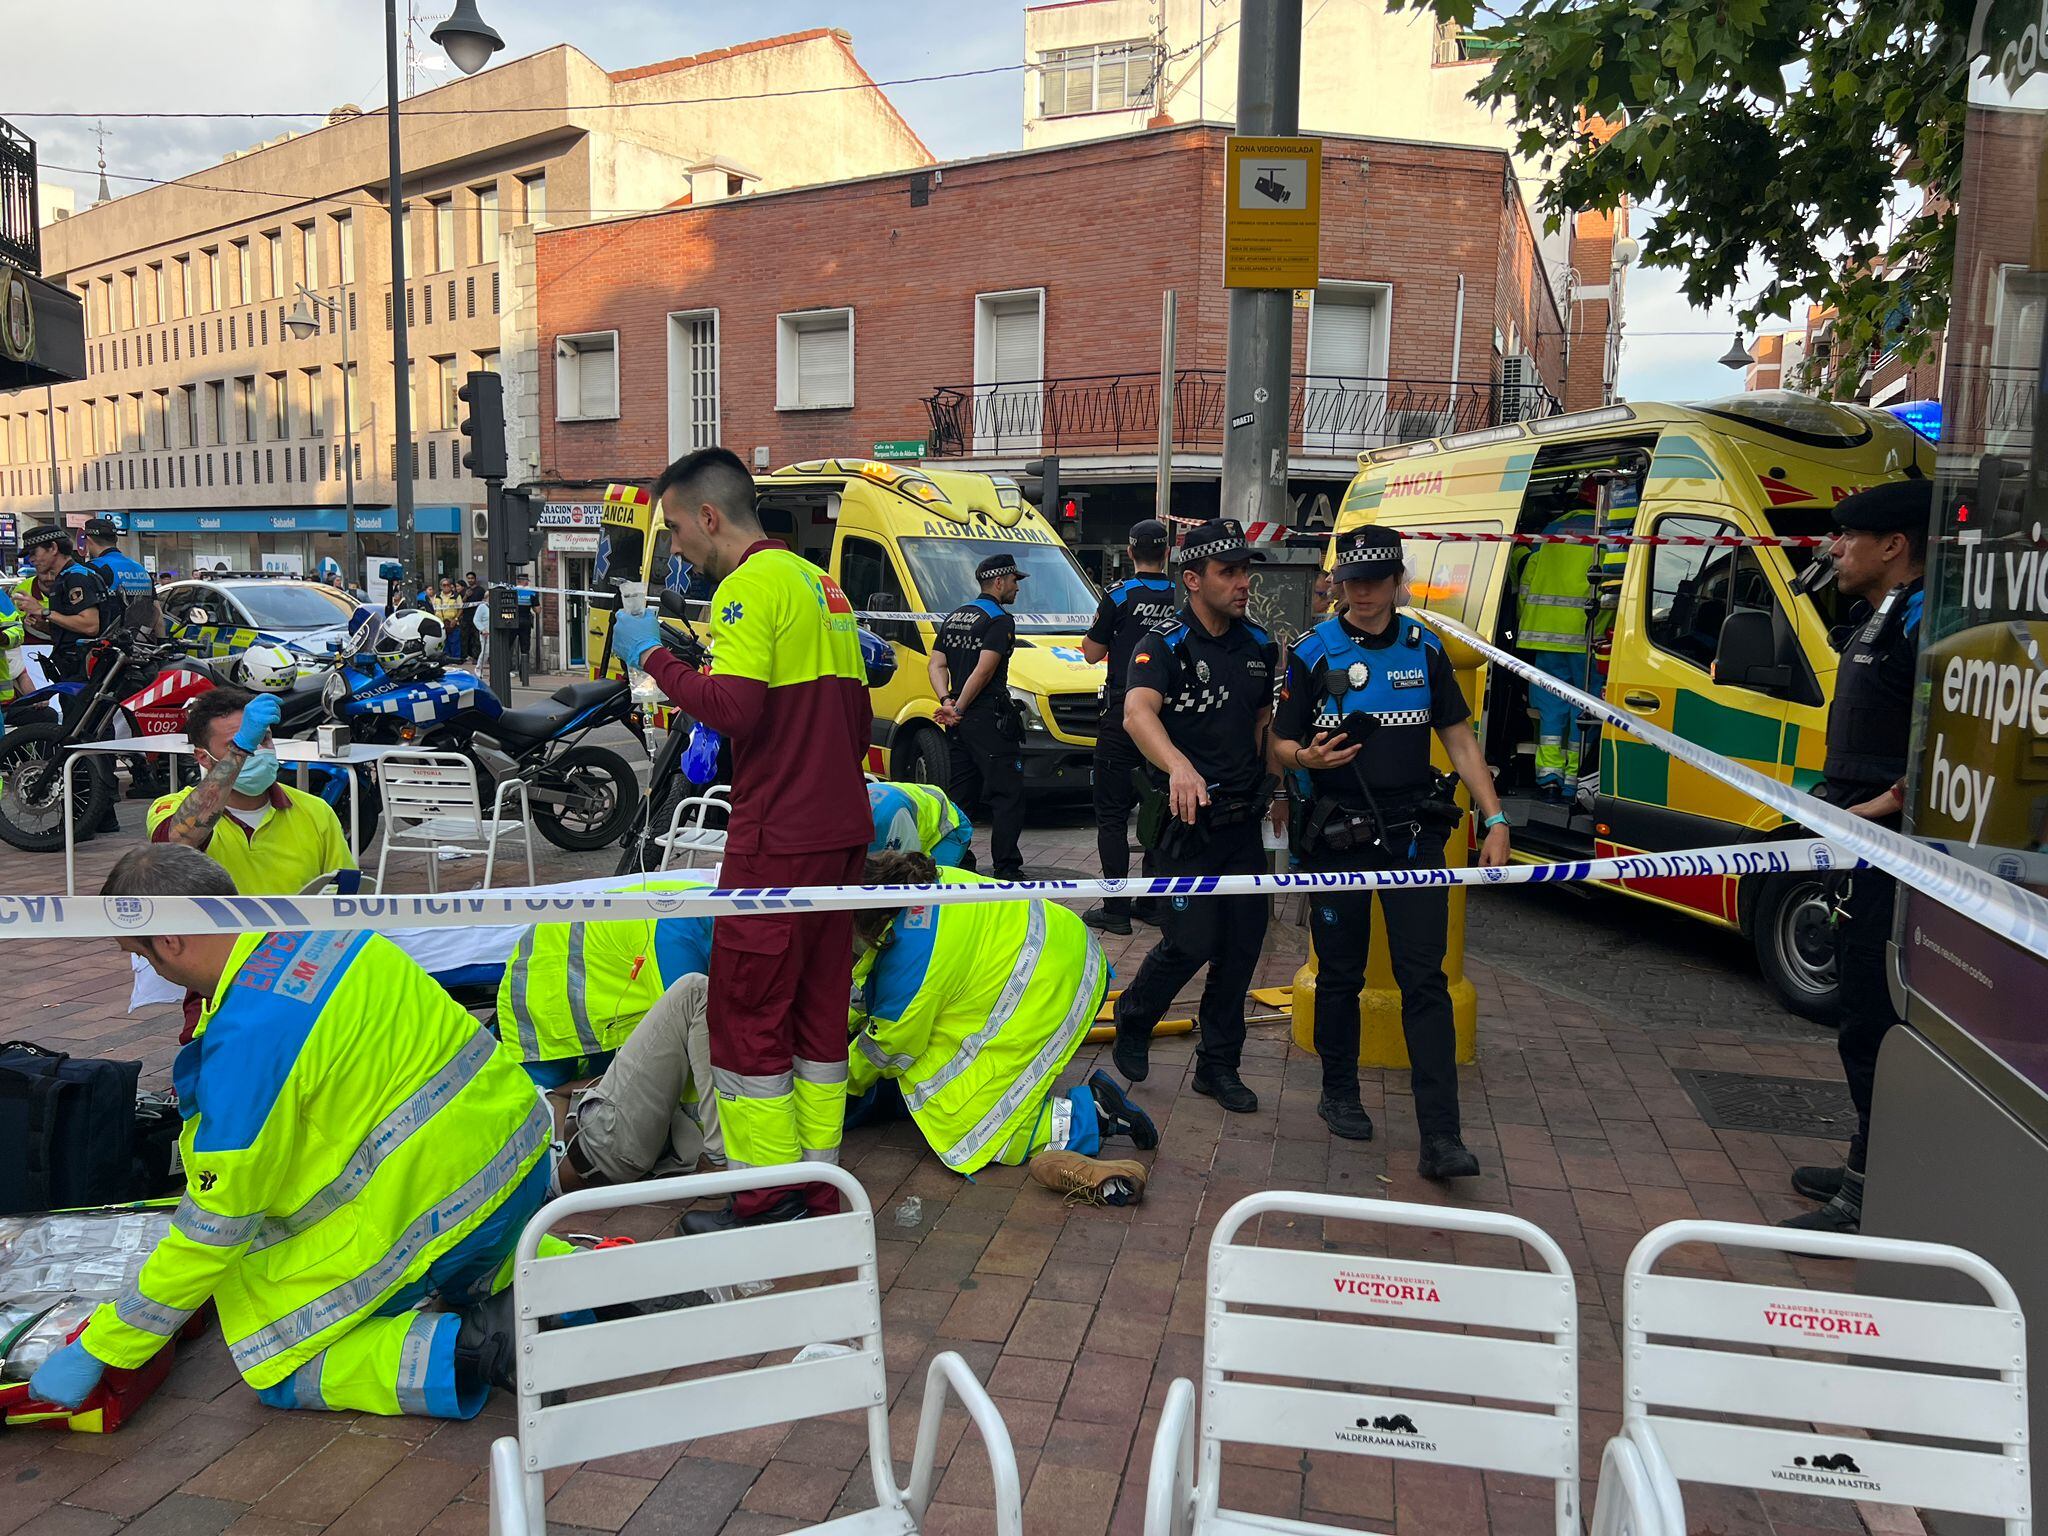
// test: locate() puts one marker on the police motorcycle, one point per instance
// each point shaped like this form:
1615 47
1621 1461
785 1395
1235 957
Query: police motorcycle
392 686
35 757
693 757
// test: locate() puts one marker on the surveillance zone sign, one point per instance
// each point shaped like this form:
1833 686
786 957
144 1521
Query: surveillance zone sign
1272 212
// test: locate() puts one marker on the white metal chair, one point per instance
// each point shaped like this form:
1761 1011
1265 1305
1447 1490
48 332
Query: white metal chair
779 1325
690 832
432 801
1320 1404
1692 1347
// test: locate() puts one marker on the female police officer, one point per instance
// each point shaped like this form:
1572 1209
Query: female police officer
1362 693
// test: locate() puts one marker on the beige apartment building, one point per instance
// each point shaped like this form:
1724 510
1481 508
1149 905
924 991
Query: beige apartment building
218 438
1098 68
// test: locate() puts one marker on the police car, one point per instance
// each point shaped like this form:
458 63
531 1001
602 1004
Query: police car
225 615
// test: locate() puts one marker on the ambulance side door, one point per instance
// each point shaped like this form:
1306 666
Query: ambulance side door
1675 600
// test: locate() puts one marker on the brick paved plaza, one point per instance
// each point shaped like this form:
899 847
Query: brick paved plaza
1076 1319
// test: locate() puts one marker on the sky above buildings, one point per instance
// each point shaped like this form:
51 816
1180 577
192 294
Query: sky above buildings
174 56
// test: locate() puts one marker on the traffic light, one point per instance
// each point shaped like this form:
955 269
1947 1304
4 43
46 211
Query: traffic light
1041 485
484 426
519 527
1069 520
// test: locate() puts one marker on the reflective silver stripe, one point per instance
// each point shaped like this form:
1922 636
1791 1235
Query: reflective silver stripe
414 1357
138 1311
829 1073
579 1005
998 1016
522 1036
210 1227
880 1059
306 1391
821 1154
755 1085
384 1140
736 1162
354 1296
1044 1066
1546 600
1576 639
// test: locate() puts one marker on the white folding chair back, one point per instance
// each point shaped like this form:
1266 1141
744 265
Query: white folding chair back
1373 1359
1711 1347
817 1302
432 801
691 832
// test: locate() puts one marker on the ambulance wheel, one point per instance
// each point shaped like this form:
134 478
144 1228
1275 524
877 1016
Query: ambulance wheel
924 759
1795 943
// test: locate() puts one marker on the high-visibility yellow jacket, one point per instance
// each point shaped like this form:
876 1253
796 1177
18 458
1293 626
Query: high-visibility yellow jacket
13 635
975 1008
346 1124
578 989
1554 593
914 818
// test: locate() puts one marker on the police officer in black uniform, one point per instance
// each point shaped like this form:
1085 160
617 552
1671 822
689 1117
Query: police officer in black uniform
1364 691
1129 609
75 611
1197 700
970 673
1878 556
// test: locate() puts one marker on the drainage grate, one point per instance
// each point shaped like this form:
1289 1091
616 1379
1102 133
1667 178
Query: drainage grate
1778 1106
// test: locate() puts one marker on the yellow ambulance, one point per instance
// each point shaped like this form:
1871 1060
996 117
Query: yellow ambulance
904 539
1766 463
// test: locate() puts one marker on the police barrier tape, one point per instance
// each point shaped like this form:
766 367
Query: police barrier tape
1611 540
1023 620
127 917
2009 910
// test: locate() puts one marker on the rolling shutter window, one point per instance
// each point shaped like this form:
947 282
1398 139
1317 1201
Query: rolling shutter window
1343 337
824 364
1014 334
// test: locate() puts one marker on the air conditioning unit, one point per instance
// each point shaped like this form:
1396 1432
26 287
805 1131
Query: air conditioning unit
479 525
1521 388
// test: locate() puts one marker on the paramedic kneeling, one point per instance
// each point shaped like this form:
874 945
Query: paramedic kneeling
1362 693
354 1144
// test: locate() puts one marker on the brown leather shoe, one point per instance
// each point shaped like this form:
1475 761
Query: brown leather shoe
1091 1180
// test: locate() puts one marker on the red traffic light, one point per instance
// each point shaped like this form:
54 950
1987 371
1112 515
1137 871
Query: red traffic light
1070 511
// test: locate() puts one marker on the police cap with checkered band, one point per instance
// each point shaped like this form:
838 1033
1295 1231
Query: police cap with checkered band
1220 538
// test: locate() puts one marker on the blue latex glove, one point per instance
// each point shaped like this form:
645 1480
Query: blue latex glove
68 1376
263 712
634 635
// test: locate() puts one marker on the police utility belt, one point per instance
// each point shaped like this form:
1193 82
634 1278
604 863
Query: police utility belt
1327 824
1165 833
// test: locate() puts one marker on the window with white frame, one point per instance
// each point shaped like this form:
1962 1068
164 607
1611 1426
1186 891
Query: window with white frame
1101 77
587 376
1344 401
444 233
692 381
1009 366
814 360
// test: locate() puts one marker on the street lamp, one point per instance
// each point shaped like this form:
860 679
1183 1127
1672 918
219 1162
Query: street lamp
469 42
303 323
1737 355
467 38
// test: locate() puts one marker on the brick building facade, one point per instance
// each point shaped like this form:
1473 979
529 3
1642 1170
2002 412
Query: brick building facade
1006 307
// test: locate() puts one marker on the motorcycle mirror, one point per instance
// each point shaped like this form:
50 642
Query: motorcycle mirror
675 604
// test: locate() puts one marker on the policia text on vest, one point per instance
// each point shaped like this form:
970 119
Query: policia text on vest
1362 695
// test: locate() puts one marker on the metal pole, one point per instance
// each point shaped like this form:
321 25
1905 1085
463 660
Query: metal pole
1169 313
1262 319
351 541
50 422
401 360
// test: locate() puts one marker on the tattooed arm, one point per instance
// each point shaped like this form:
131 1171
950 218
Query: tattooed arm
192 823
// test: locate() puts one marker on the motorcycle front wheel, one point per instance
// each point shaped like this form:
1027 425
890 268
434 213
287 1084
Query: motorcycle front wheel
32 765
599 792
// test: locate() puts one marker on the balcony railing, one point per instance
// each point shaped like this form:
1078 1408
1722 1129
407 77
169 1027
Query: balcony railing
1325 413
20 240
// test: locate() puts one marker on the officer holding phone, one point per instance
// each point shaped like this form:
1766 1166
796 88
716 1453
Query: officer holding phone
1362 693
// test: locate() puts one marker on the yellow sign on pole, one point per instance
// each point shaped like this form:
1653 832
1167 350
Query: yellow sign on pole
1272 212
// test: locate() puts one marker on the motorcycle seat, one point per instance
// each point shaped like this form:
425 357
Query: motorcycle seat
539 721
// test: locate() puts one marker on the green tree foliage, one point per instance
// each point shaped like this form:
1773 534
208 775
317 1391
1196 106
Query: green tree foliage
1770 134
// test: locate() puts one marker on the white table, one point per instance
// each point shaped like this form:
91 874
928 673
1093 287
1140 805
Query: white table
300 755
